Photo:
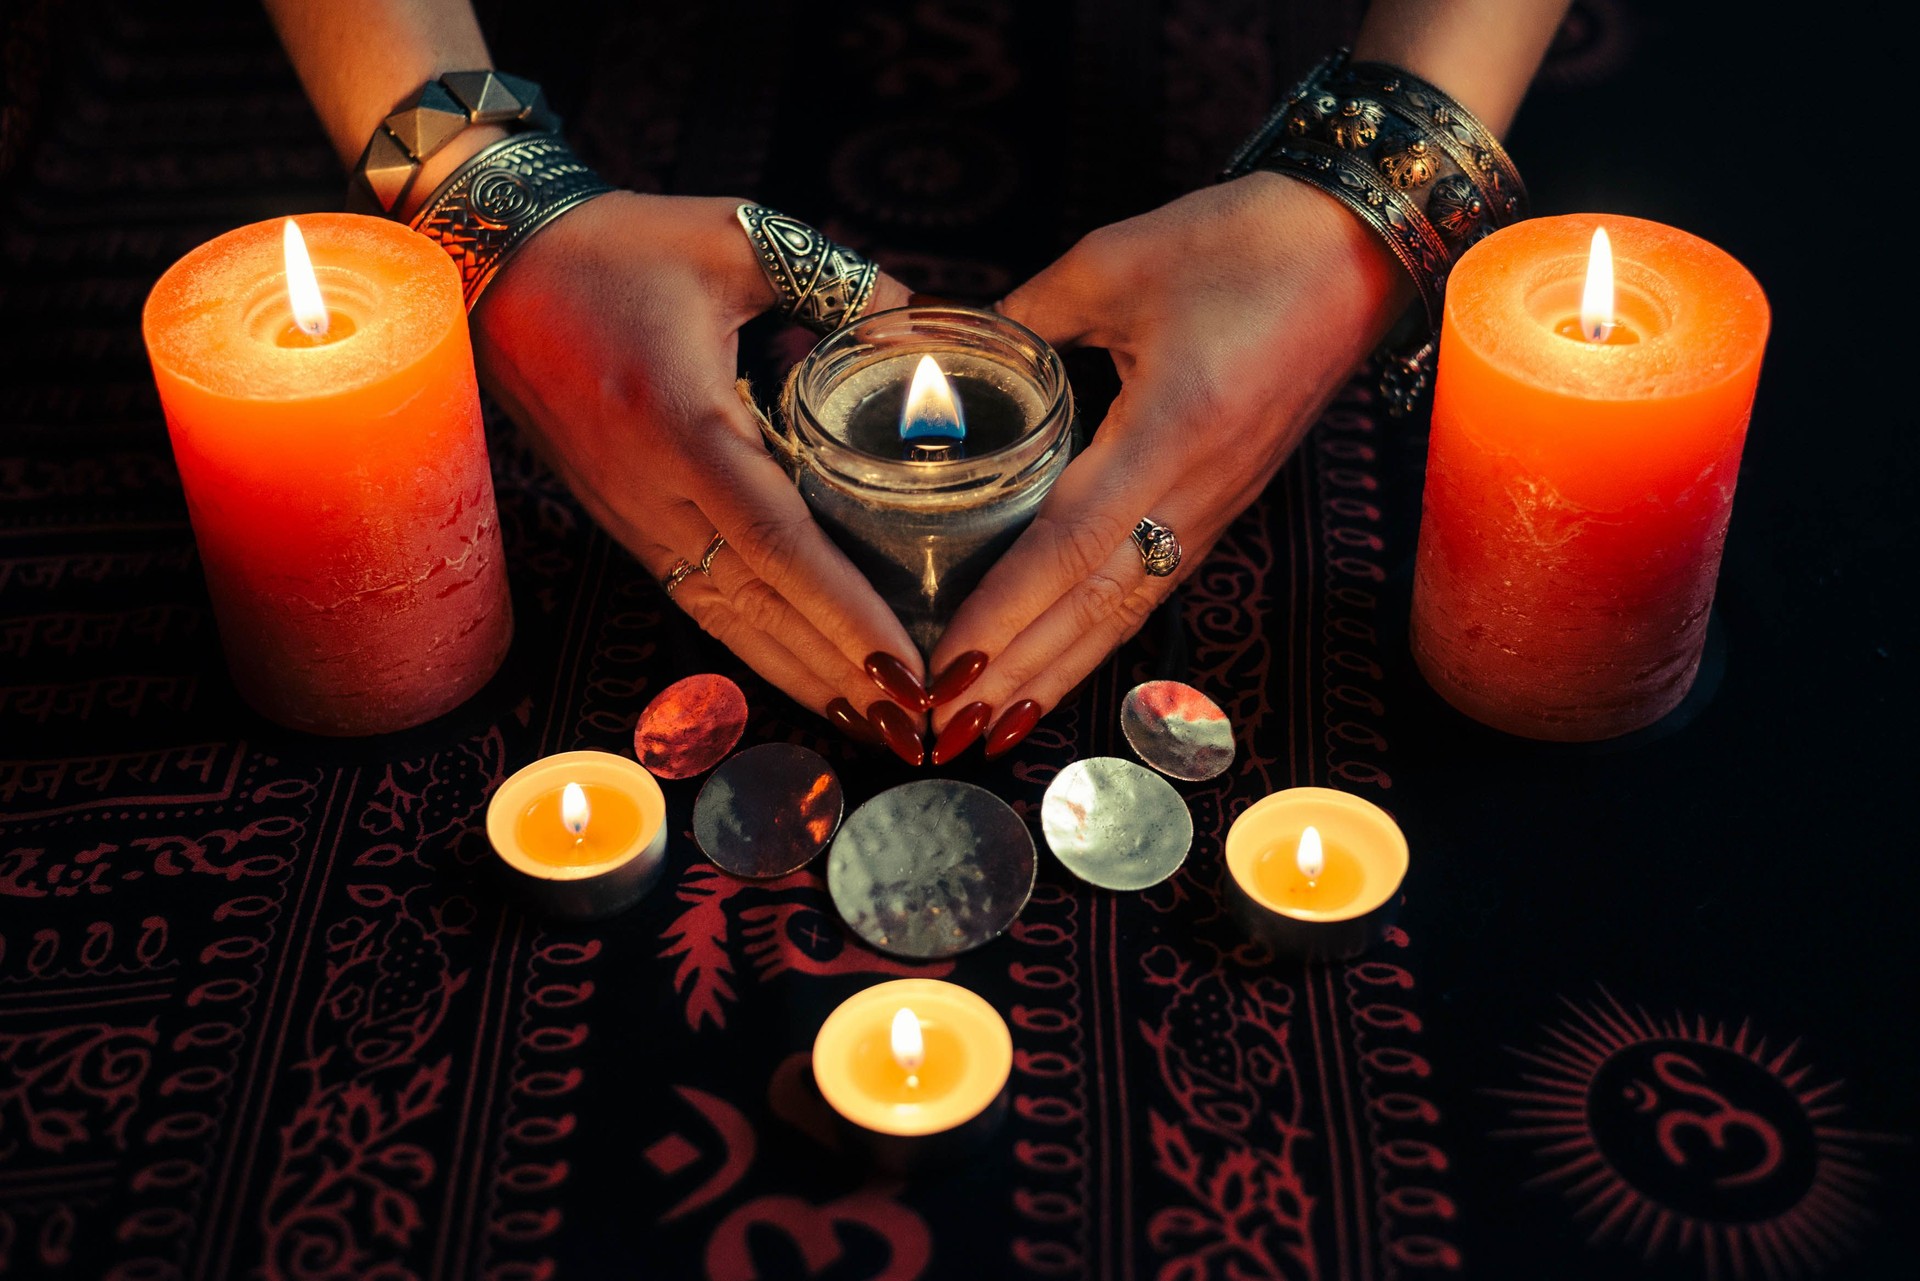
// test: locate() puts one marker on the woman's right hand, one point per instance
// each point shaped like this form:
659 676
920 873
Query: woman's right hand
611 337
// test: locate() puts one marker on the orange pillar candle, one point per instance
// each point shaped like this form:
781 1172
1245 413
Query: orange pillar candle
334 470
1578 489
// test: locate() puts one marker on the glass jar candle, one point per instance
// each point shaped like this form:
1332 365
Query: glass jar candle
925 522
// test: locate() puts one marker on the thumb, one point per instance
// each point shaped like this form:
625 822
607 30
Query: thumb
888 293
1062 303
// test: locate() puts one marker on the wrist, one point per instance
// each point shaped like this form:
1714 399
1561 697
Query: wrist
1347 267
1482 53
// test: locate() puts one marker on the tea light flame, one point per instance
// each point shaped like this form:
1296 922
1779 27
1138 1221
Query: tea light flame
909 1047
1310 857
1596 300
303 289
931 409
574 810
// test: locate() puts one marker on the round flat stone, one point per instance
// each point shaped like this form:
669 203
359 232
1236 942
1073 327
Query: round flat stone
1116 825
768 811
690 726
931 868
1177 730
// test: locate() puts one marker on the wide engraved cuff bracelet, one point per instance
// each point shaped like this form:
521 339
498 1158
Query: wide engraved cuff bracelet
1412 163
499 198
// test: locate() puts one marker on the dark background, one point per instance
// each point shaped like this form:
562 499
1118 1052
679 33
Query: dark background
1758 860
1749 863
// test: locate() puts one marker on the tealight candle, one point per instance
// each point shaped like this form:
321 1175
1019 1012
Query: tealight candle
1596 376
926 438
319 392
917 1069
584 834
1315 872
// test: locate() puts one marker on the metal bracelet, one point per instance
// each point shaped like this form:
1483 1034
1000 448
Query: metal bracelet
494 202
432 116
1414 165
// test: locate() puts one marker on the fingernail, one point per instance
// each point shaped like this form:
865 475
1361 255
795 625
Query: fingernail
1015 724
851 723
896 680
960 732
961 672
896 727
917 299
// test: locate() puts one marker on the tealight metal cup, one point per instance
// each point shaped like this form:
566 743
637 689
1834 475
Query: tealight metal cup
1362 828
588 891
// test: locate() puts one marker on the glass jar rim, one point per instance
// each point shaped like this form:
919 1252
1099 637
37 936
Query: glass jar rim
875 337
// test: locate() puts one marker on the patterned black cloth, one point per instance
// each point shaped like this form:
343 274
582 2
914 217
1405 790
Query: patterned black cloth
263 1013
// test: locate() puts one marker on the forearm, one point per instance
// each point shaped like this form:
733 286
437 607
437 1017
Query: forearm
358 58
1481 52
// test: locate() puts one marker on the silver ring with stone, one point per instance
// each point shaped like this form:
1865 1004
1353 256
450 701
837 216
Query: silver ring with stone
1159 549
821 285
713 549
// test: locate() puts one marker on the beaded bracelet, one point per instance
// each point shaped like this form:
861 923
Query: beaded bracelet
1414 165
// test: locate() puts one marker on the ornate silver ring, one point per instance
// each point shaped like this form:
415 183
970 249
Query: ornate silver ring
1159 549
821 285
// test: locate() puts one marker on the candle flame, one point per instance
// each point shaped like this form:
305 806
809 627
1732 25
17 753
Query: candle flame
1310 857
909 1047
1596 300
574 810
303 290
931 409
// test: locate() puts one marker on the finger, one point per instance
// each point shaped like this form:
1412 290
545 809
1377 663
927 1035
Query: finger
753 502
1063 302
704 604
888 293
756 648
1090 513
1047 660
765 610
686 532
1075 631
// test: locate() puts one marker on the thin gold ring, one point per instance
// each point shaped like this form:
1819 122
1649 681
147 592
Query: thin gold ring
679 574
713 549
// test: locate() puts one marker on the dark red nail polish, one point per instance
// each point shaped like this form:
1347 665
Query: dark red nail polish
896 727
918 299
960 732
952 683
1017 722
851 723
897 681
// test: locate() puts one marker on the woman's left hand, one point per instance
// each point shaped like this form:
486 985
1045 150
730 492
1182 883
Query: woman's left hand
1232 315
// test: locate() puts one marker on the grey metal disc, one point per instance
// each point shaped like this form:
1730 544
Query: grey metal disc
931 868
768 811
1177 730
1116 825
